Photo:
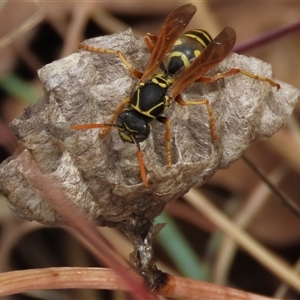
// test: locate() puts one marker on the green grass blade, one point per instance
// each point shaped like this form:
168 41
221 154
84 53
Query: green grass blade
19 88
183 256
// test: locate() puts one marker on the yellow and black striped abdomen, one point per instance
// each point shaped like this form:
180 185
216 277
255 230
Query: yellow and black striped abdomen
186 49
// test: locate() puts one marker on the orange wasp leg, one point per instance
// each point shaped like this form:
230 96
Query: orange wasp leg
106 127
141 163
88 126
234 71
131 69
150 41
213 131
167 139
139 152
116 113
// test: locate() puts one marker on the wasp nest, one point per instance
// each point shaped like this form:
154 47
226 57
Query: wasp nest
102 175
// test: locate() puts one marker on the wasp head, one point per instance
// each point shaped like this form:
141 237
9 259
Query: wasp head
133 126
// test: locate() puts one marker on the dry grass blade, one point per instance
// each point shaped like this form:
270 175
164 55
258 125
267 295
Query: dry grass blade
108 22
97 278
284 199
243 218
52 193
80 16
199 290
283 288
62 278
271 261
28 24
267 37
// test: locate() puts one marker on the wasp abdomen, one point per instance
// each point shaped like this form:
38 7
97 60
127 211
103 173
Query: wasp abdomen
186 49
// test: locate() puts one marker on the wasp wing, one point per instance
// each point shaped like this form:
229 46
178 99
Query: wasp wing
214 53
172 28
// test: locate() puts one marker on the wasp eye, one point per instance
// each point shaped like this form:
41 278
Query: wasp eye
142 133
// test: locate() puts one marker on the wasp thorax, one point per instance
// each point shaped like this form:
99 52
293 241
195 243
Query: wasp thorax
133 126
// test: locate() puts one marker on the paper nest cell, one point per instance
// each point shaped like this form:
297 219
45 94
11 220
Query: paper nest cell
101 175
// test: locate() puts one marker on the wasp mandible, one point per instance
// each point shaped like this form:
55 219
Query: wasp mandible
189 56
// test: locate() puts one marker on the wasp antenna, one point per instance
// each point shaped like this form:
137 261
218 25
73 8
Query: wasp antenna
89 126
141 163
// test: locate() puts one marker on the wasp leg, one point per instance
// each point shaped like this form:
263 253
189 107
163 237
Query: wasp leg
141 162
213 131
88 126
116 113
167 138
107 127
236 71
130 68
150 41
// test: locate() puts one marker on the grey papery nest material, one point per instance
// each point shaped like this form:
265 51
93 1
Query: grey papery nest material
102 175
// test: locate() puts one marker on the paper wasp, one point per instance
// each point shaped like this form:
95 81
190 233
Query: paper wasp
189 56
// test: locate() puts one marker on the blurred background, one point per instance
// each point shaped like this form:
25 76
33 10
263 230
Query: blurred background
33 34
